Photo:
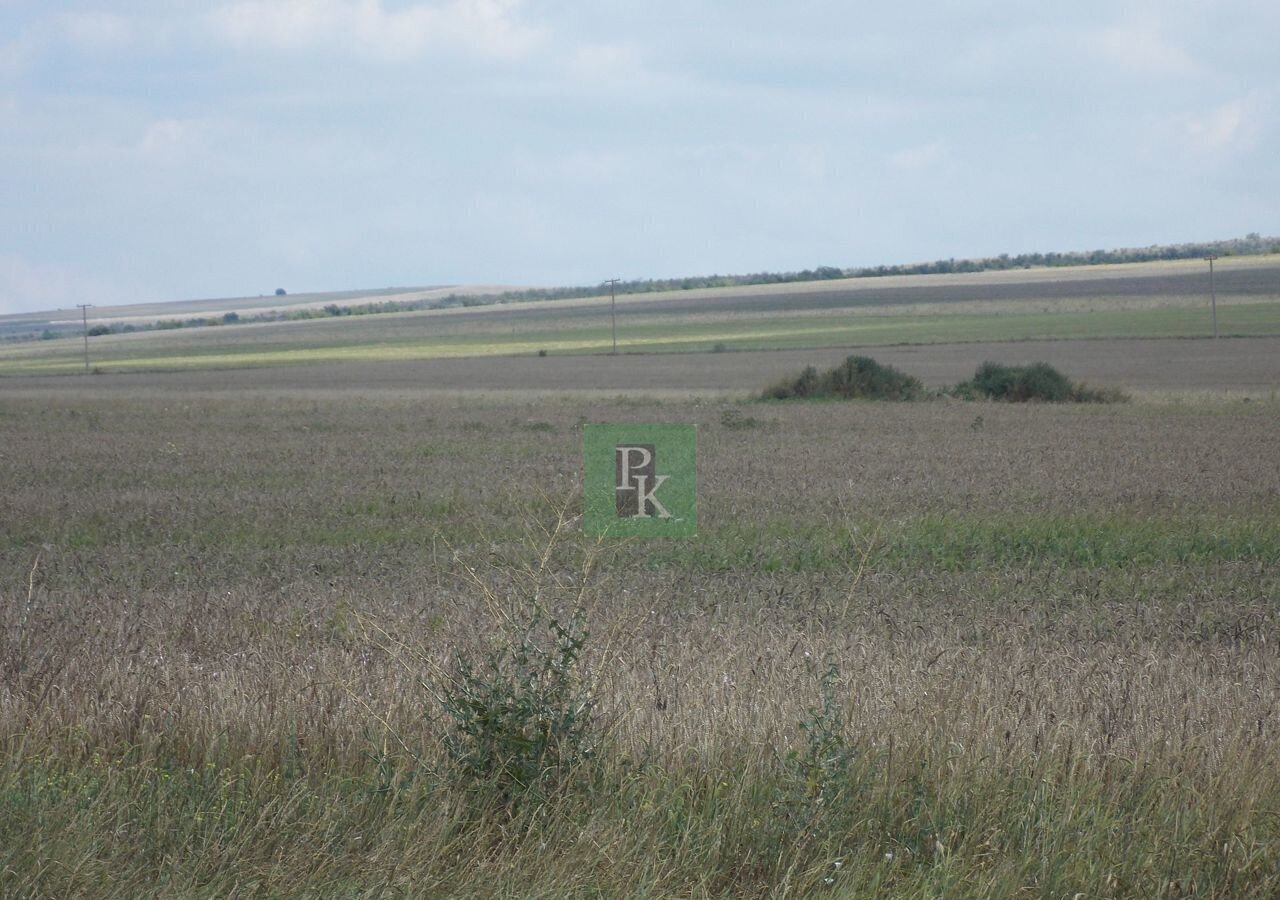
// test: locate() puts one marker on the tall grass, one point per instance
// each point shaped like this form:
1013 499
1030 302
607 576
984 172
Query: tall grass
349 753
1039 697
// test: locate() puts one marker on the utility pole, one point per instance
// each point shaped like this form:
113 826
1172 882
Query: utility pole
84 316
613 311
1213 294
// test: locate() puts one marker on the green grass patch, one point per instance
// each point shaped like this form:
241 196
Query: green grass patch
951 542
958 543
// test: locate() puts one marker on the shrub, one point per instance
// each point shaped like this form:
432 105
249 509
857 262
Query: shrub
734 419
521 715
1036 382
803 385
1018 384
823 762
1083 393
857 378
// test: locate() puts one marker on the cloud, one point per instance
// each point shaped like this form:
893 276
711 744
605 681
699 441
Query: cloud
170 139
922 156
14 56
1142 48
26 286
1225 129
83 31
96 30
514 139
611 66
484 28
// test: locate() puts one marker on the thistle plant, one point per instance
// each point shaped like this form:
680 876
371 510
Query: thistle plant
521 709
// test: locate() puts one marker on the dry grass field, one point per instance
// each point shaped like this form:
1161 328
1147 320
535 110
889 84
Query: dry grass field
933 649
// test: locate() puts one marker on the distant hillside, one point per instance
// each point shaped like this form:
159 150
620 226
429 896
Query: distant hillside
1251 245
201 313
277 306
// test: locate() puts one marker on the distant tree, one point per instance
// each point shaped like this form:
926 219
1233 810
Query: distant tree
230 318
280 292
99 330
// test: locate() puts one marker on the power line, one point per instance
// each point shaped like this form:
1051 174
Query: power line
1212 292
613 310
84 315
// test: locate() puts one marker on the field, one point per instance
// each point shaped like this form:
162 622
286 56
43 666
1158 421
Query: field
917 649
1151 368
1150 300
70 320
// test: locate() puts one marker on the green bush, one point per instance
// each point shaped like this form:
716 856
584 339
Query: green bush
522 715
1038 382
803 385
823 762
857 378
734 419
862 378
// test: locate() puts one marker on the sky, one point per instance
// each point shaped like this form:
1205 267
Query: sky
156 151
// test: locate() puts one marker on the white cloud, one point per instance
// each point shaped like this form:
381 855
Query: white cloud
14 55
922 156
97 30
486 28
27 286
166 138
1224 129
1143 48
610 65
595 167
